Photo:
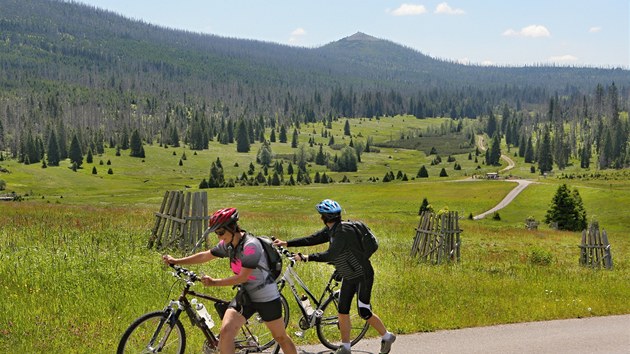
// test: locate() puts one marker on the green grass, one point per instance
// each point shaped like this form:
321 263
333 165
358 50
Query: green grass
76 271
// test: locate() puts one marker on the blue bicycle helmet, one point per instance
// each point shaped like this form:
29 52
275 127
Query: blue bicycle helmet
328 206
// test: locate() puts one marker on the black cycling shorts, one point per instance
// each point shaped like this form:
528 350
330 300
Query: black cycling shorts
362 287
268 311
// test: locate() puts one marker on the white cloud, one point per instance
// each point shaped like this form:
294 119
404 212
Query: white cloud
464 61
533 31
446 9
487 63
567 58
297 35
409 10
595 29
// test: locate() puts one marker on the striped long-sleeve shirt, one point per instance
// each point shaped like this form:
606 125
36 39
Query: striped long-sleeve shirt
344 251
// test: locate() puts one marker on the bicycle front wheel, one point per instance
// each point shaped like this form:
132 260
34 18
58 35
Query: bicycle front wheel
328 325
152 333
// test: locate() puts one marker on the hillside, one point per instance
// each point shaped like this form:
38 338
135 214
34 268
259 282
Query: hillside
90 73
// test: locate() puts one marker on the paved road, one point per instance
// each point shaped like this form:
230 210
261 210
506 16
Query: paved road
594 335
522 184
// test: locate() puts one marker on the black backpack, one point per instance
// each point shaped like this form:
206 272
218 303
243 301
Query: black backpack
367 239
274 259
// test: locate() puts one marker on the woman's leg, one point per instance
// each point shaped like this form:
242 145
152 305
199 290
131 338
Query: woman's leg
232 322
279 333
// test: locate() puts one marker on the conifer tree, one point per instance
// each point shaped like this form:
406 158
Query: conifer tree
75 154
567 210
493 155
124 139
89 158
52 154
242 138
529 151
320 158
137 150
346 128
545 157
283 134
294 140
264 155
423 173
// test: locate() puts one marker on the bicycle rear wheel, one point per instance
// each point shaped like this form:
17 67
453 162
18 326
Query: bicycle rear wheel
328 325
151 333
255 332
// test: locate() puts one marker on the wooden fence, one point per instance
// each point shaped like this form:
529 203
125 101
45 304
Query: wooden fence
437 238
595 248
181 221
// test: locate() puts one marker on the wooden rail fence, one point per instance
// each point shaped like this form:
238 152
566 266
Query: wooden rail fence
595 248
181 221
437 238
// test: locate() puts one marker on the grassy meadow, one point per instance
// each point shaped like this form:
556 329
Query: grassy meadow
75 269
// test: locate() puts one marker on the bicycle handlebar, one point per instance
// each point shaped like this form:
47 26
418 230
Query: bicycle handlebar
285 252
179 271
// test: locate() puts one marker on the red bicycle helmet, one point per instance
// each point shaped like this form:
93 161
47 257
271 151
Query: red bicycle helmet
222 218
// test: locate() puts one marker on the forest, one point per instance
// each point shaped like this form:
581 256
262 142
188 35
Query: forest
74 79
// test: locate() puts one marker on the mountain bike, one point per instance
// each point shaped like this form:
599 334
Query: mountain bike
163 332
324 313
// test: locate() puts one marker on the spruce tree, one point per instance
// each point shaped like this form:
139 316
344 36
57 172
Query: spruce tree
424 206
136 145
320 158
294 140
529 151
89 158
242 138
52 154
75 154
346 128
545 157
567 210
283 134
493 155
423 173
124 139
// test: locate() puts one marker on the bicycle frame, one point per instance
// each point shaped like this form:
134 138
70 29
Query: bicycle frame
291 278
184 304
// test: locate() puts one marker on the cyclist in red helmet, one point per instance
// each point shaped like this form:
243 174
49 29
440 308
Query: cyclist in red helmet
259 293
357 272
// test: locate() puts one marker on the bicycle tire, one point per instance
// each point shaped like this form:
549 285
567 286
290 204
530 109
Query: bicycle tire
259 330
150 328
328 325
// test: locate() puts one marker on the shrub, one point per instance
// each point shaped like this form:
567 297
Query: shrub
540 257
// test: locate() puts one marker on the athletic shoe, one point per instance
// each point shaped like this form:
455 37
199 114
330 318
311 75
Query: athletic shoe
386 345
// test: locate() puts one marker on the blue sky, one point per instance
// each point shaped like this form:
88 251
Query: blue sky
485 32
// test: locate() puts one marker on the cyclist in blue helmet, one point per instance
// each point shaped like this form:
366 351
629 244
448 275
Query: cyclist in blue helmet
344 252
